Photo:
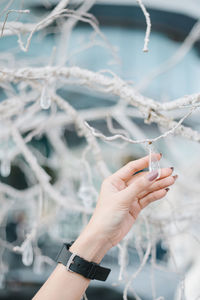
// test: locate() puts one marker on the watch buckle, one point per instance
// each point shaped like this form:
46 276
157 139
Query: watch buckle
70 262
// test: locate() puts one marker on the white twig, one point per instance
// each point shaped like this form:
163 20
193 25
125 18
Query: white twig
145 258
148 22
185 47
20 11
22 122
129 140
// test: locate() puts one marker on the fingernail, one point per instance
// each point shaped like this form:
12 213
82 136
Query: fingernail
167 189
152 175
172 168
175 177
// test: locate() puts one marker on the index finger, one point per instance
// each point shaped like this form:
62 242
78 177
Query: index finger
133 166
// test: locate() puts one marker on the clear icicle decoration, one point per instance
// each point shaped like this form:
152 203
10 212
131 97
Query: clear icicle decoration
27 255
153 161
5 167
85 194
45 99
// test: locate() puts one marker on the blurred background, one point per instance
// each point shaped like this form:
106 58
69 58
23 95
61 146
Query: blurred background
168 71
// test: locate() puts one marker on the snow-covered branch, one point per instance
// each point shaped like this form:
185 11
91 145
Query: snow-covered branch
65 181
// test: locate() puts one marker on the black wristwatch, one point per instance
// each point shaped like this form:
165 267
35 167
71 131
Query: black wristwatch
77 264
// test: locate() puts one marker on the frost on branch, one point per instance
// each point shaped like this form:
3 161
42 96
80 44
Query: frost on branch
33 109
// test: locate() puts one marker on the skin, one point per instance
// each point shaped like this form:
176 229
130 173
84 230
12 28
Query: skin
123 195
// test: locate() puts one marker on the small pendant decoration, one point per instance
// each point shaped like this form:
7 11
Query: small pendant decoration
153 161
45 99
27 255
5 167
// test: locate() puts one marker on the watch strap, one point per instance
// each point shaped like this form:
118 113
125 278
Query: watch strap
77 264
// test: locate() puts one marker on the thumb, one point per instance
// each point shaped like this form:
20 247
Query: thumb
139 185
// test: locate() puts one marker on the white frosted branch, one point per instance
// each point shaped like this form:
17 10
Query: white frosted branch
119 136
22 120
144 260
96 81
21 11
19 27
150 108
86 132
148 22
184 48
40 174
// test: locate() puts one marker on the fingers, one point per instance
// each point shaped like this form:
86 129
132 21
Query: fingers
159 185
132 167
141 184
152 197
138 205
164 173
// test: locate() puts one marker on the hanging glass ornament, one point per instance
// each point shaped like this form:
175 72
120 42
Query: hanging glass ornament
153 161
86 195
27 255
45 99
5 167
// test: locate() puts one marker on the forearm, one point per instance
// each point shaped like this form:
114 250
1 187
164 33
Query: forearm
122 197
65 285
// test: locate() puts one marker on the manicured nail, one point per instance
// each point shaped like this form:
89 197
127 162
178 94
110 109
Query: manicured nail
175 177
172 168
167 189
152 175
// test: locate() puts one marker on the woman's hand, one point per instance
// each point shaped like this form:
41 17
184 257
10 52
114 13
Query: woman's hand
123 195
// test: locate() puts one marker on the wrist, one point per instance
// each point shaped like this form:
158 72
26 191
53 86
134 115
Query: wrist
90 245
